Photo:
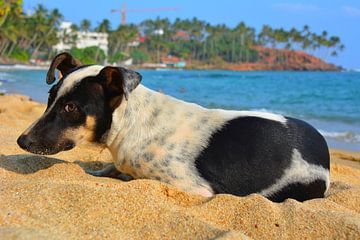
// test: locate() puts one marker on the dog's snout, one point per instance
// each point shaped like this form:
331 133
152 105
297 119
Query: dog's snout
24 141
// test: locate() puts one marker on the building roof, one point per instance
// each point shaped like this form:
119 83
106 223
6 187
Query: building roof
181 35
170 60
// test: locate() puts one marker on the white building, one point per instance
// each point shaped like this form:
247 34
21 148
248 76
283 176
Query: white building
79 39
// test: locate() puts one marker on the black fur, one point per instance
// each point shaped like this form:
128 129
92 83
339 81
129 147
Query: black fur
249 154
300 192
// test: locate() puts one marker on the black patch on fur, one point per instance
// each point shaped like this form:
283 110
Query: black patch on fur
310 143
249 153
300 191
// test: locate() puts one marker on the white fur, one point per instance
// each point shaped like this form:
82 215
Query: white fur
75 77
299 171
266 115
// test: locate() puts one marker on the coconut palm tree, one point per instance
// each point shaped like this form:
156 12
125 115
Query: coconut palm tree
51 22
85 25
104 26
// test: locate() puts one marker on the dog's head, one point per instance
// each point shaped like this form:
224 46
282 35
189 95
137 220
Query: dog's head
80 105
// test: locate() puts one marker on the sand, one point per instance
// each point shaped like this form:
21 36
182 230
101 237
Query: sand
53 198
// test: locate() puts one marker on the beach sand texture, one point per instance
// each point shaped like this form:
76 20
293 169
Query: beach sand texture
53 198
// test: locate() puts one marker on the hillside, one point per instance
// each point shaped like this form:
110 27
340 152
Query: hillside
276 59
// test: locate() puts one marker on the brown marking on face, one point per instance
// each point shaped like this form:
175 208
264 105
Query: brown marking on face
90 123
82 133
87 132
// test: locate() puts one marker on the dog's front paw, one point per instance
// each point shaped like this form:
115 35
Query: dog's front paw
110 171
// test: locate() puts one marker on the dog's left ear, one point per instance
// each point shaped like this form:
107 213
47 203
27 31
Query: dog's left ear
118 80
63 62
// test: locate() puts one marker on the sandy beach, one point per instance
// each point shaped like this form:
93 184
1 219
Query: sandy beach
53 198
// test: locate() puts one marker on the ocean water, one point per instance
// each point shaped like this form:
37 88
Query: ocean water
330 101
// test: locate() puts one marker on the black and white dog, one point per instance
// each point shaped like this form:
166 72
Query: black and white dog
199 150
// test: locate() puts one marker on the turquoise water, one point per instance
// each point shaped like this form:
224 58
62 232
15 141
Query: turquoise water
328 100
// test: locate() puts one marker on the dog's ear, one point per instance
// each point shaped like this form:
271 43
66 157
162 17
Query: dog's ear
118 80
63 62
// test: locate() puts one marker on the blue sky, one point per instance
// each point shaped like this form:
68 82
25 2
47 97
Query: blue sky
337 17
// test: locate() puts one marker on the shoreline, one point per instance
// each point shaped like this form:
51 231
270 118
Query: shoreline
23 67
226 67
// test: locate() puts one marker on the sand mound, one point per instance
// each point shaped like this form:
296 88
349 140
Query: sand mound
54 198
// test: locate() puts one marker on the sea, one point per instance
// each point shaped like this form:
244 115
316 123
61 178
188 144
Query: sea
330 101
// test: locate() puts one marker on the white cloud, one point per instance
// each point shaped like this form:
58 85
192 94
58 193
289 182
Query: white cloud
297 7
351 11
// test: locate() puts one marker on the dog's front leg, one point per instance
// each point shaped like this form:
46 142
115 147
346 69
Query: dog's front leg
110 171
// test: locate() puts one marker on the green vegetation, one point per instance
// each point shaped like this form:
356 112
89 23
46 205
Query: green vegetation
35 34
139 56
25 37
89 55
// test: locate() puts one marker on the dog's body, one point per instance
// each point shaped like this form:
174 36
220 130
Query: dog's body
199 150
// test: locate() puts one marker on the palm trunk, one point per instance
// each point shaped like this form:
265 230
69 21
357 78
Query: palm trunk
158 53
6 45
34 53
31 41
233 50
97 54
2 45
117 46
13 45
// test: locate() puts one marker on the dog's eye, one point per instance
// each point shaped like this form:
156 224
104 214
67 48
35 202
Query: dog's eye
70 107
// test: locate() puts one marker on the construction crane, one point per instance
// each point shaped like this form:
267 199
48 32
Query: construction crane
123 11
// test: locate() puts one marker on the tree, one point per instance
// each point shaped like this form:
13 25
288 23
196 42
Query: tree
50 22
9 7
104 26
85 25
22 36
88 55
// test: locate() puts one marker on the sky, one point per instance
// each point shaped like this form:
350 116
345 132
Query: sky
337 17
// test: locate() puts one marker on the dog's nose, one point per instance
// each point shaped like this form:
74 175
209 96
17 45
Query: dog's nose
24 141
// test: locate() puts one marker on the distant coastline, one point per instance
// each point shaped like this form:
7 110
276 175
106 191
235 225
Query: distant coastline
296 61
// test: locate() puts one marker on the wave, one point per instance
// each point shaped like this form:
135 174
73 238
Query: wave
348 136
22 67
6 81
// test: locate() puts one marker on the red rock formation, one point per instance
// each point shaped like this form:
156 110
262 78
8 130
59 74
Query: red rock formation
282 59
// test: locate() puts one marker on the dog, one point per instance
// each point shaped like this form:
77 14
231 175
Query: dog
155 136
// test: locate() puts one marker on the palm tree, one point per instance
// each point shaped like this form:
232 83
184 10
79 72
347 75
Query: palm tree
119 40
85 25
9 7
104 26
51 22
266 35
